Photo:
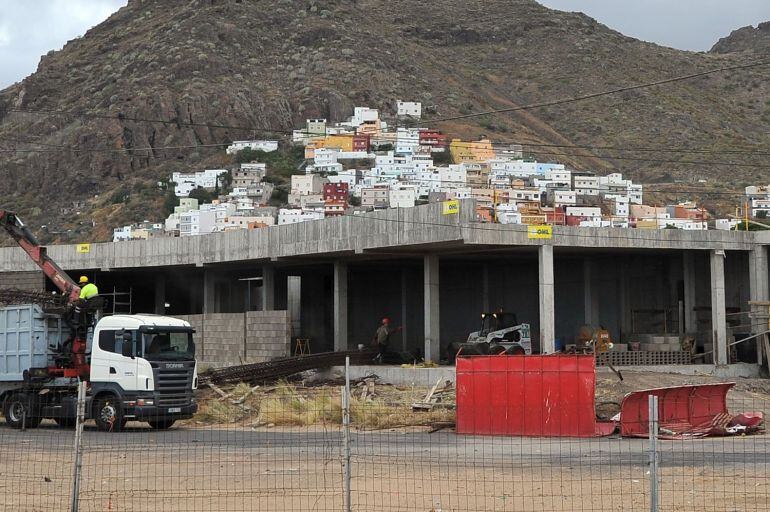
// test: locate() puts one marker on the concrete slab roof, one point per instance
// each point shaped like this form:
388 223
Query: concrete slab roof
423 229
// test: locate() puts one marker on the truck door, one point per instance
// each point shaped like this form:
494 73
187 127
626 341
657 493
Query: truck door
118 362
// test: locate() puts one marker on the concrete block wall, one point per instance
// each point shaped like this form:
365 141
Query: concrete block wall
31 281
268 335
227 339
223 339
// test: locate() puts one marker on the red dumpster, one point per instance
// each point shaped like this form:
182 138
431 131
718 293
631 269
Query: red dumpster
541 396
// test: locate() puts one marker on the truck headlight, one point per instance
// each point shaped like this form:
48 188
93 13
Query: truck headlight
140 402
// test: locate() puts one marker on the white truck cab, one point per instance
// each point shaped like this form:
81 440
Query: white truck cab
143 368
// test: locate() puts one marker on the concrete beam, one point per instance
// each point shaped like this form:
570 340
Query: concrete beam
340 306
432 319
268 287
546 296
422 227
690 297
160 294
718 312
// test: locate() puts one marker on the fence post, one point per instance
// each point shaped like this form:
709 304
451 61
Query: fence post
653 431
346 438
79 418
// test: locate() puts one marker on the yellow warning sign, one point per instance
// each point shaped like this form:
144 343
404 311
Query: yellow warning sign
84 248
540 232
450 207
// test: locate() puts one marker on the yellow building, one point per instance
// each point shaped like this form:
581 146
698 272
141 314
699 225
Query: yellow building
341 142
479 151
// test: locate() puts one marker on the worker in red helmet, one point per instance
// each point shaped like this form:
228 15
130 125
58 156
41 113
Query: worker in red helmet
382 339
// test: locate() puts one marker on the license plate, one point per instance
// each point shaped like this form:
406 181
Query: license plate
172 410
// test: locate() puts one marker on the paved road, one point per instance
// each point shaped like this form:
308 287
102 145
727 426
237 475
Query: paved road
416 446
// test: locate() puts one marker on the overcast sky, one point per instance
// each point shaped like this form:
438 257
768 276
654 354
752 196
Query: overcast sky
30 28
684 24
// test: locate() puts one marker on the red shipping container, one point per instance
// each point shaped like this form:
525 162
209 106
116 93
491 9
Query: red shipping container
538 396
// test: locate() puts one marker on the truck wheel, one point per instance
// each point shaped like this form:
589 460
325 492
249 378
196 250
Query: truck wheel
163 424
108 415
15 408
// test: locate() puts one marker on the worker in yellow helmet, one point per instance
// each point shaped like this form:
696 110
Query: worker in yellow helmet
87 290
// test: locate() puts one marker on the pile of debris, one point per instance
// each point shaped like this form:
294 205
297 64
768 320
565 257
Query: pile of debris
437 397
46 300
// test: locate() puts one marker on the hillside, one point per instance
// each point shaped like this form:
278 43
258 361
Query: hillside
240 63
745 39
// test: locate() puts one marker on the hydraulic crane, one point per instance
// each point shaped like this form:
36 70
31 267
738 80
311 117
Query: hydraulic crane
27 241
73 364
140 367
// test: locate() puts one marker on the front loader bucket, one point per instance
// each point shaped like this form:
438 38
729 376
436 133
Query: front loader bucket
682 410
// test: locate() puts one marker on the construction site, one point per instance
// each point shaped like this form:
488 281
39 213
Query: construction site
666 297
339 349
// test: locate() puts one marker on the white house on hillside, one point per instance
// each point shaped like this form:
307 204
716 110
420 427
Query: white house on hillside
268 146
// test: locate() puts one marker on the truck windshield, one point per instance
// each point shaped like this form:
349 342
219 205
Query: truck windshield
168 346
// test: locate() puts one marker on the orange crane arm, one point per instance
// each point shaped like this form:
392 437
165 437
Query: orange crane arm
27 241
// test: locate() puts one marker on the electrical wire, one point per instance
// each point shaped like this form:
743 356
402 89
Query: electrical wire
466 144
604 93
177 122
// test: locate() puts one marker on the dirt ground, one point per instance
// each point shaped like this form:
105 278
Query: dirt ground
281 448
427 472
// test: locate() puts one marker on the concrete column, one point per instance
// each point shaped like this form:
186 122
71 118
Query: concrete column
294 303
624 306
432 319
340 306
160 294
590 297
209 292
546 294
718 314
690 298
759 286
404 309
268 288
485 288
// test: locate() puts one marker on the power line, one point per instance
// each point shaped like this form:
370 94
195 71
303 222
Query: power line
603 93
60 149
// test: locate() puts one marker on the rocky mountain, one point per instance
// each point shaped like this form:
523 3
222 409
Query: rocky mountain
167 79
745 39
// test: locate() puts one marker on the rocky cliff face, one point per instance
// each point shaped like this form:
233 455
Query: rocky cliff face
745 39
160 75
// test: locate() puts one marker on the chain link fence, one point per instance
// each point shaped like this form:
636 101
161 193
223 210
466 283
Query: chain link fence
368 447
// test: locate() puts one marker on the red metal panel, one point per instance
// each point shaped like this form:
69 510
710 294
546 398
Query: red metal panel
684 406
550 395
